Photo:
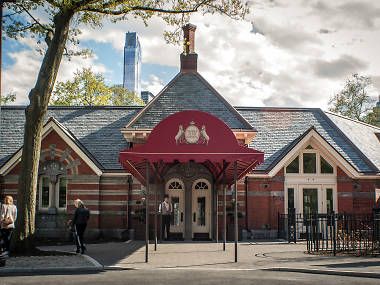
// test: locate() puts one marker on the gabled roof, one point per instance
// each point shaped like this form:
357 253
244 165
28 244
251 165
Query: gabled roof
188 91
278 129
96 129
53 125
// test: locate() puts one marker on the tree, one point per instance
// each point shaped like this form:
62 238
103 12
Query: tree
9 98
86 89
353 101
124 97
89 89
59 31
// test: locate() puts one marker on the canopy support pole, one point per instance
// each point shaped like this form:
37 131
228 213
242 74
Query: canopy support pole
147 213
155 216
236 212
224 210
217 213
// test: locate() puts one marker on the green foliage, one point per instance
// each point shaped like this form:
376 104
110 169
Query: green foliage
20 19
89 89
353 101
9 98
124 97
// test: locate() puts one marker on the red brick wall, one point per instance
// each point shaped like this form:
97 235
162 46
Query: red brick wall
265 201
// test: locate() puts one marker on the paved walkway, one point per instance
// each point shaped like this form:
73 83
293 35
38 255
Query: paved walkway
210 256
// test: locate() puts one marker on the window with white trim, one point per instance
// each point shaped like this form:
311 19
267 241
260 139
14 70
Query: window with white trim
44 193
175 185
201 185
310 161
52 195
61 193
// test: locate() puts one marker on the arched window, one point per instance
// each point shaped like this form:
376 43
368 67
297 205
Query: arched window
201 185
175 185
52 186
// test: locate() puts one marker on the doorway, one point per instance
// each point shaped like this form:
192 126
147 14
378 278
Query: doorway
175 188
201 209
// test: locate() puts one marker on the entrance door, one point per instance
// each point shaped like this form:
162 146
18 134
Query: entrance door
201 209
310 201
328 199
176 191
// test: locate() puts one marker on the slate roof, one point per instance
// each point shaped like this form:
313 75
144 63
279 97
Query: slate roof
188 91
362 135
96 128
278 129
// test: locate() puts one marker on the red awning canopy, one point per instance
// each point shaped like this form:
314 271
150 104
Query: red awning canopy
191 136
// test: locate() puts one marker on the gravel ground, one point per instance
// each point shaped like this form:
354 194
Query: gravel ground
43 262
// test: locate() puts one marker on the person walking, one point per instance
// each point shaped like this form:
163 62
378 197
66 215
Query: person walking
165 209
79 224
8 216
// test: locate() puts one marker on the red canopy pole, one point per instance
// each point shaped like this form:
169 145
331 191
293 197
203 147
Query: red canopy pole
155 215
217 212
236 212
224 208
147 212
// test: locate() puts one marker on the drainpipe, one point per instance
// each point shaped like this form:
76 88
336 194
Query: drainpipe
246 203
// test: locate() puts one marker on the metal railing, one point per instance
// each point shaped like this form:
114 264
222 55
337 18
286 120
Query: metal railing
333 232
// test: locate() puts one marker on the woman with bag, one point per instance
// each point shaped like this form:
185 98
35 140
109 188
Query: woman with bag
8 216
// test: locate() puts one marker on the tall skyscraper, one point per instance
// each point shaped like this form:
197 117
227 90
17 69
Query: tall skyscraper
132 63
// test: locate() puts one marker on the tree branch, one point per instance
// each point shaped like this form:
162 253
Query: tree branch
24 28
34 19
142 8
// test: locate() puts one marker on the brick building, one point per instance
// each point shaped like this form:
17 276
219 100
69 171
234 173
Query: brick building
314 161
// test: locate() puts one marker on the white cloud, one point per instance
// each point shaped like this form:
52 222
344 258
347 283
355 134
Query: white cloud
154 84
296 53
21 76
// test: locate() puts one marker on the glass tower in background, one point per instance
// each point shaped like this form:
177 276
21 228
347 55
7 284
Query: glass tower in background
132 63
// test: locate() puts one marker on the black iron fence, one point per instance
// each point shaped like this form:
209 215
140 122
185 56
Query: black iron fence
334 232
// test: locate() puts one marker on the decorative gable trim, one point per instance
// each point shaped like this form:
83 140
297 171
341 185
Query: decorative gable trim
53 125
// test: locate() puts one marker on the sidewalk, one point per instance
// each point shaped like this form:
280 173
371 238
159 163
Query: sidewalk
276 256
251 256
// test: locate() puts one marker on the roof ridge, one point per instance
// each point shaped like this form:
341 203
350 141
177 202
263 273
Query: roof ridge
208 86
155 98
353 120
51 107
225 102
276 109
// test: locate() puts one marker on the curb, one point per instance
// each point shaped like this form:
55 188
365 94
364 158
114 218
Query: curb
49 271
96 264
97 267
326 272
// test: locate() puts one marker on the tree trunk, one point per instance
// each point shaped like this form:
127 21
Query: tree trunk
35 113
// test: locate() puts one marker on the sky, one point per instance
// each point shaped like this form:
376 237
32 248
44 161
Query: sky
285 53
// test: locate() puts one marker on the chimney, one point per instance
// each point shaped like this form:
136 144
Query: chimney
188 56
